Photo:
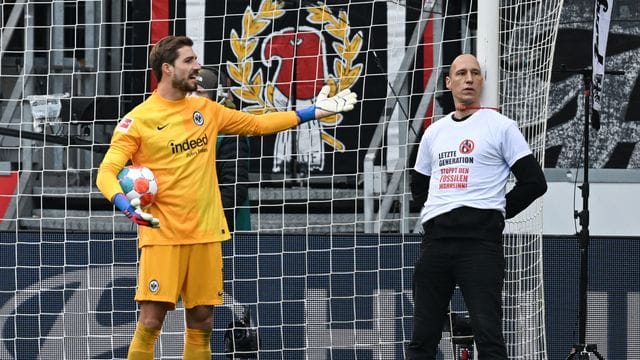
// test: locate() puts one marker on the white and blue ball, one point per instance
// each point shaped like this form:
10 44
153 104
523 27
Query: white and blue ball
138 182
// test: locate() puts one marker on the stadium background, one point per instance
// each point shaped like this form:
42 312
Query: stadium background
615 284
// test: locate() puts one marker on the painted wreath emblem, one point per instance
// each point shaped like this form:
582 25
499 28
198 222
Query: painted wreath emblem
254 88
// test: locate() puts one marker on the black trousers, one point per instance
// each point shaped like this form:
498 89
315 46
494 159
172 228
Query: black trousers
477 266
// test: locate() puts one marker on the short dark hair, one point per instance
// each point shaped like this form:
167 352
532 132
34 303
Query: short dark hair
166 51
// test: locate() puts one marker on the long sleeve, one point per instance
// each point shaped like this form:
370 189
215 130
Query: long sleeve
115 159
244 123
530 184
419 187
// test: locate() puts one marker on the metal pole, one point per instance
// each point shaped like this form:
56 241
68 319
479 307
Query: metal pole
584 216
488 50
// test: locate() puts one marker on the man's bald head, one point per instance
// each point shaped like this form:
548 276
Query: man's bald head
465 82
466 59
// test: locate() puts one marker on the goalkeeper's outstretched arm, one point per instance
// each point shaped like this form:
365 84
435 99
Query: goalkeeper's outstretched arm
244 123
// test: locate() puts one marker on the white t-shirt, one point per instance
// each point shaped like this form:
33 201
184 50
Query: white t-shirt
469 161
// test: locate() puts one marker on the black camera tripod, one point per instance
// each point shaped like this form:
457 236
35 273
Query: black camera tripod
241 339
582 350
459 326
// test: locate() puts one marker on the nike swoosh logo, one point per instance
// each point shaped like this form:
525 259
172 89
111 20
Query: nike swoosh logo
163 126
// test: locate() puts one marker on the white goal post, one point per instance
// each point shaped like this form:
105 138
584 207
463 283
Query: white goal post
326 269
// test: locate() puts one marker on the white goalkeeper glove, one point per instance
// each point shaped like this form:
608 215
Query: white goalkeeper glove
342 101
325 106
134 212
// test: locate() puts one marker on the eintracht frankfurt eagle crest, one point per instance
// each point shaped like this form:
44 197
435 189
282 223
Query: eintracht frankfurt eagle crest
301 60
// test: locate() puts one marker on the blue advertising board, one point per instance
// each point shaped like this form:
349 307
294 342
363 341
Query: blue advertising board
310 296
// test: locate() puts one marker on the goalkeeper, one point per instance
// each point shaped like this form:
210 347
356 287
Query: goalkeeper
179 238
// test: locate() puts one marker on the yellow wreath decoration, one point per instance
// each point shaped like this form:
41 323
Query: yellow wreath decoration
345 72
244 46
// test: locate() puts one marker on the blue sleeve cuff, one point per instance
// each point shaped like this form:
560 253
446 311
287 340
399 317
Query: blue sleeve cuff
121 202
307 114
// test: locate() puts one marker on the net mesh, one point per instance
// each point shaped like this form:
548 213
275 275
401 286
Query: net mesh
326 270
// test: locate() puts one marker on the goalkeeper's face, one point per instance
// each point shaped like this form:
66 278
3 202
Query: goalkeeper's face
185 70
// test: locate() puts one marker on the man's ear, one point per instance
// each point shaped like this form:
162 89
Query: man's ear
447 82
166 68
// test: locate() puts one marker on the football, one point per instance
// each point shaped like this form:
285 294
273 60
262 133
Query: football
138 182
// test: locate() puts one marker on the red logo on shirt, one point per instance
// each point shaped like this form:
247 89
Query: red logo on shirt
124 124
466 146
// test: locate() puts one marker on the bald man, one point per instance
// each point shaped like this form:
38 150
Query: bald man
464 161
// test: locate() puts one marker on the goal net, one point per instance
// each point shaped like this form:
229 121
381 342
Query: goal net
325 268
